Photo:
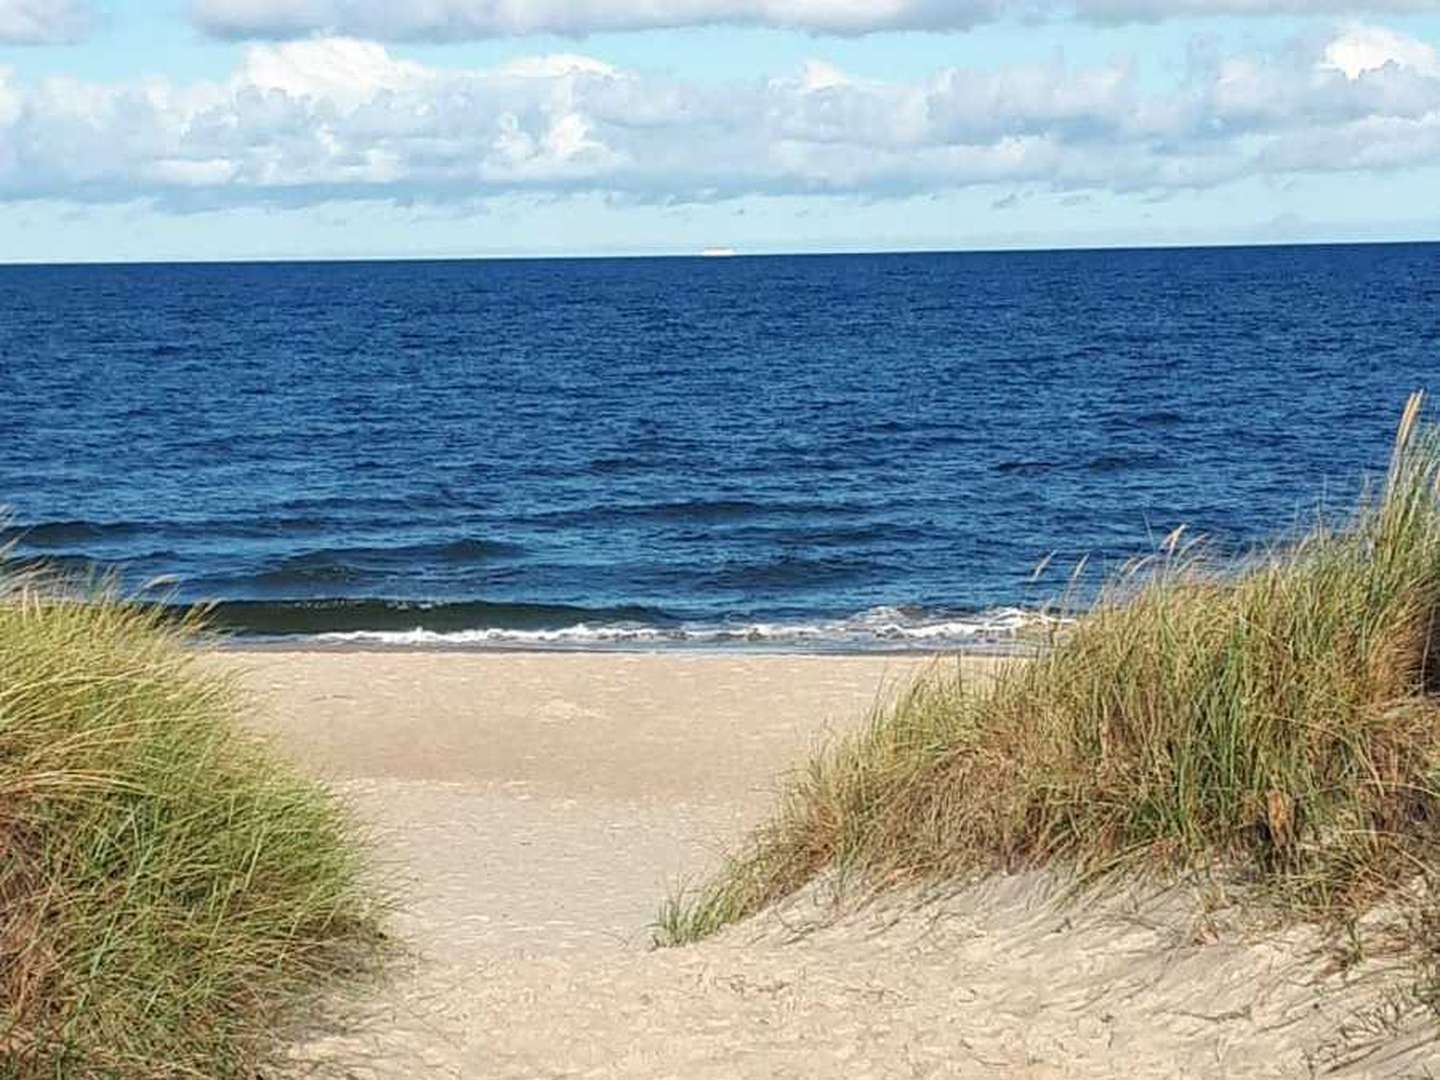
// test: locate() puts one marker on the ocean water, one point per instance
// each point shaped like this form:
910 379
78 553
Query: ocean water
826 452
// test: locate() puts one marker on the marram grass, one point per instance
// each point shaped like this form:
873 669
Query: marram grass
1271 719
171 894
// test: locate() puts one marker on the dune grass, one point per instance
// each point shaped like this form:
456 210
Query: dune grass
1272 720
171 894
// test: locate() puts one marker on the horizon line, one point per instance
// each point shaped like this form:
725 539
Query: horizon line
737 253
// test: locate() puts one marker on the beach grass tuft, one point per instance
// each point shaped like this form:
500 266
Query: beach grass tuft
172 895
1271 721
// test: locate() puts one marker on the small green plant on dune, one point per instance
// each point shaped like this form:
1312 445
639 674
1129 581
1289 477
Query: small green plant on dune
170 892
1272 720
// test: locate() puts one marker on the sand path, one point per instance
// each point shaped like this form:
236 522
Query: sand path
539 806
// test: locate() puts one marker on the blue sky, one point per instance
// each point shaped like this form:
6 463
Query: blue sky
360 128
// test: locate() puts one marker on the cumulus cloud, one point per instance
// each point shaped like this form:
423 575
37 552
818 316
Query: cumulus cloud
441 20
338 70
338 118
1371 48
557 64
44 22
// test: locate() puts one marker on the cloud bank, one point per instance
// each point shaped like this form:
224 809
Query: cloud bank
452 20
331 119
44 22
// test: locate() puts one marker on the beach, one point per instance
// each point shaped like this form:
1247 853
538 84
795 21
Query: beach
545 801
535 809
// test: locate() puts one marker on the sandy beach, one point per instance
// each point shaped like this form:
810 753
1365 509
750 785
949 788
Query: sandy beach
537 808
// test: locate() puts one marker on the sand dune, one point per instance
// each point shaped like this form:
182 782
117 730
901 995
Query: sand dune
539 806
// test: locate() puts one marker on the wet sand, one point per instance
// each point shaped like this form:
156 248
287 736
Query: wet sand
537 808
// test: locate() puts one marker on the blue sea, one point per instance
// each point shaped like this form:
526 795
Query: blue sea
828 452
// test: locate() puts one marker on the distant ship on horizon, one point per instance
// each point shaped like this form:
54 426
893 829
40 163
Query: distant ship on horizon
718 252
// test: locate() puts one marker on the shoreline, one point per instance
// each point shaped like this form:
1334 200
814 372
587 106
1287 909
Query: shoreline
759 644
529 626
995 651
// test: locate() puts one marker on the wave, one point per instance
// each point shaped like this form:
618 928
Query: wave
267 618
63 533
517 625
64 567
1026 468
1102 463
349 564
718 511
1114 463
789 572
49 535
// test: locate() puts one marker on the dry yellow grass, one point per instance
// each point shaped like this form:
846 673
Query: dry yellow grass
170 892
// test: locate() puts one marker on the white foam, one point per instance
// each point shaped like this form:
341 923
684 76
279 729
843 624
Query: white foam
881 627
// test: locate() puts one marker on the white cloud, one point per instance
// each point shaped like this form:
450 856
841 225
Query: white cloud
336 118
555 65
44 22
822 75
184 172
469 19
341 70
1370 48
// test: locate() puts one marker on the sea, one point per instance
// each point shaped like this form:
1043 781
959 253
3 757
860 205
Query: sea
842 452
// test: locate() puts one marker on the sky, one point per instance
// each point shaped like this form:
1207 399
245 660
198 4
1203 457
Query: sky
258 129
